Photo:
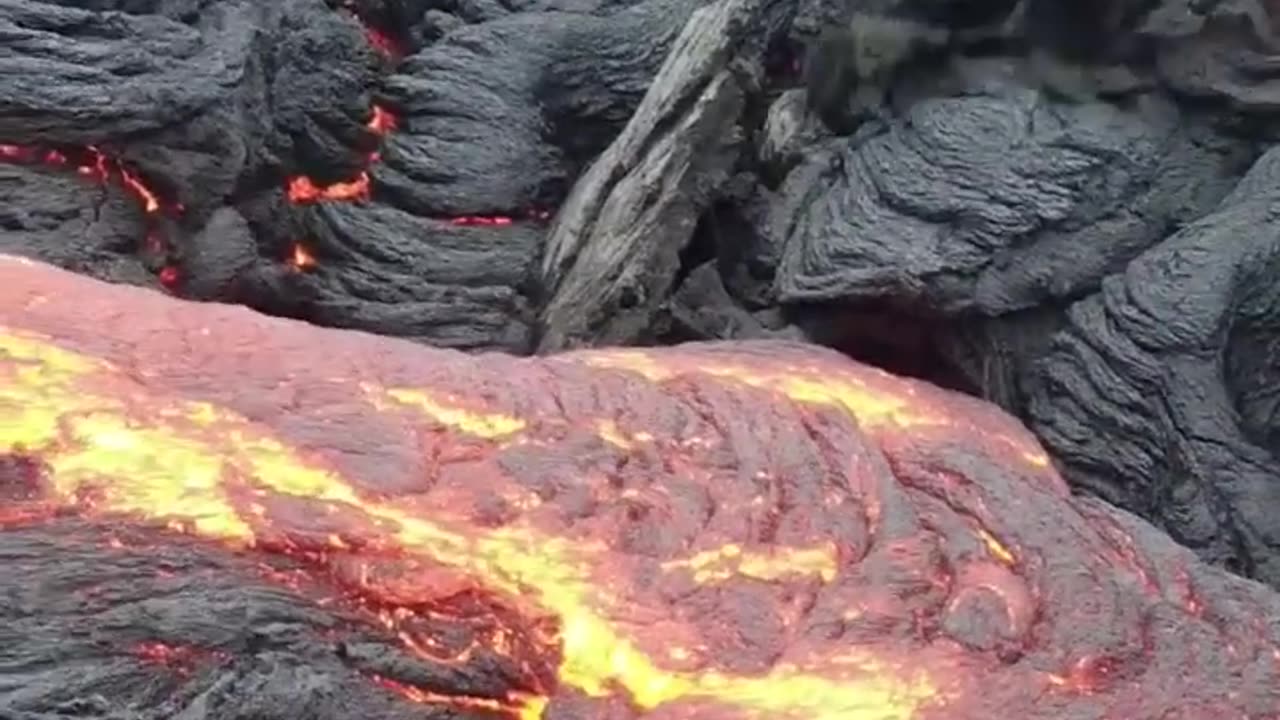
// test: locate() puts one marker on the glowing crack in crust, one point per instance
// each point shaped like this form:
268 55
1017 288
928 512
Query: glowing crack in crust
112 447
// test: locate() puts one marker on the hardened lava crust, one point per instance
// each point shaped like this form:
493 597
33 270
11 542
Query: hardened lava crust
209 513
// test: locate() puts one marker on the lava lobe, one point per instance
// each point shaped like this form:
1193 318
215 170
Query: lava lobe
736 530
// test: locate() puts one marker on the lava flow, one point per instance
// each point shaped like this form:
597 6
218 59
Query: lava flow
717 531
80 415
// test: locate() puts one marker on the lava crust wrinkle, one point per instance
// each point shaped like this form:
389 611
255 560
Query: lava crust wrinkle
734 530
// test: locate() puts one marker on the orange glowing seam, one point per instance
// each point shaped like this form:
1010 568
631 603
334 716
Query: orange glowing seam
198 467
149 201
383 43
382 121
169 276
482 220
301 258
302 189
94 164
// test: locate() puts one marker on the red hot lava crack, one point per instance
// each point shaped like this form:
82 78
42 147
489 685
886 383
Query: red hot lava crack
92 163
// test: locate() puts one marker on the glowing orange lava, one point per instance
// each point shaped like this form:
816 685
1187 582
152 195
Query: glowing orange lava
84 418
382 121
497 220
149 201
634 520
303 190
378 40
301 258
86 435
170 276
474 220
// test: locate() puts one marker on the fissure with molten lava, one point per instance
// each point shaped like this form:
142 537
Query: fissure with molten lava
215 474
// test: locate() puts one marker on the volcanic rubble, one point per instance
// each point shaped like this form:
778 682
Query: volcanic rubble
391 528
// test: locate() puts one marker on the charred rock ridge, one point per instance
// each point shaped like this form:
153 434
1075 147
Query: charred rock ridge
365 525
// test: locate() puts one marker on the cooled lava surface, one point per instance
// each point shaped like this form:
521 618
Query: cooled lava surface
207 512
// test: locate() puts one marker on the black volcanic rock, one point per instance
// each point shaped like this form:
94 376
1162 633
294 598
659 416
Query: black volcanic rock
72 222
215 108
992 235
1158 394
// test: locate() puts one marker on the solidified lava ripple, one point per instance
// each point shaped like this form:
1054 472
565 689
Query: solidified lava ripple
749 530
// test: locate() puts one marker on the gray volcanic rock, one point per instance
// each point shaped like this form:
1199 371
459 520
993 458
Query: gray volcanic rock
72 222
1099 266
416 178
1159 393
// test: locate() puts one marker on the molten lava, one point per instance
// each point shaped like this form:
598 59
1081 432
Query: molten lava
379 40
303 189
301 258
716 531
382 121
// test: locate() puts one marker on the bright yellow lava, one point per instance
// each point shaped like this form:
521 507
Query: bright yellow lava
114 446
873 408
484 425
998 549
730 560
